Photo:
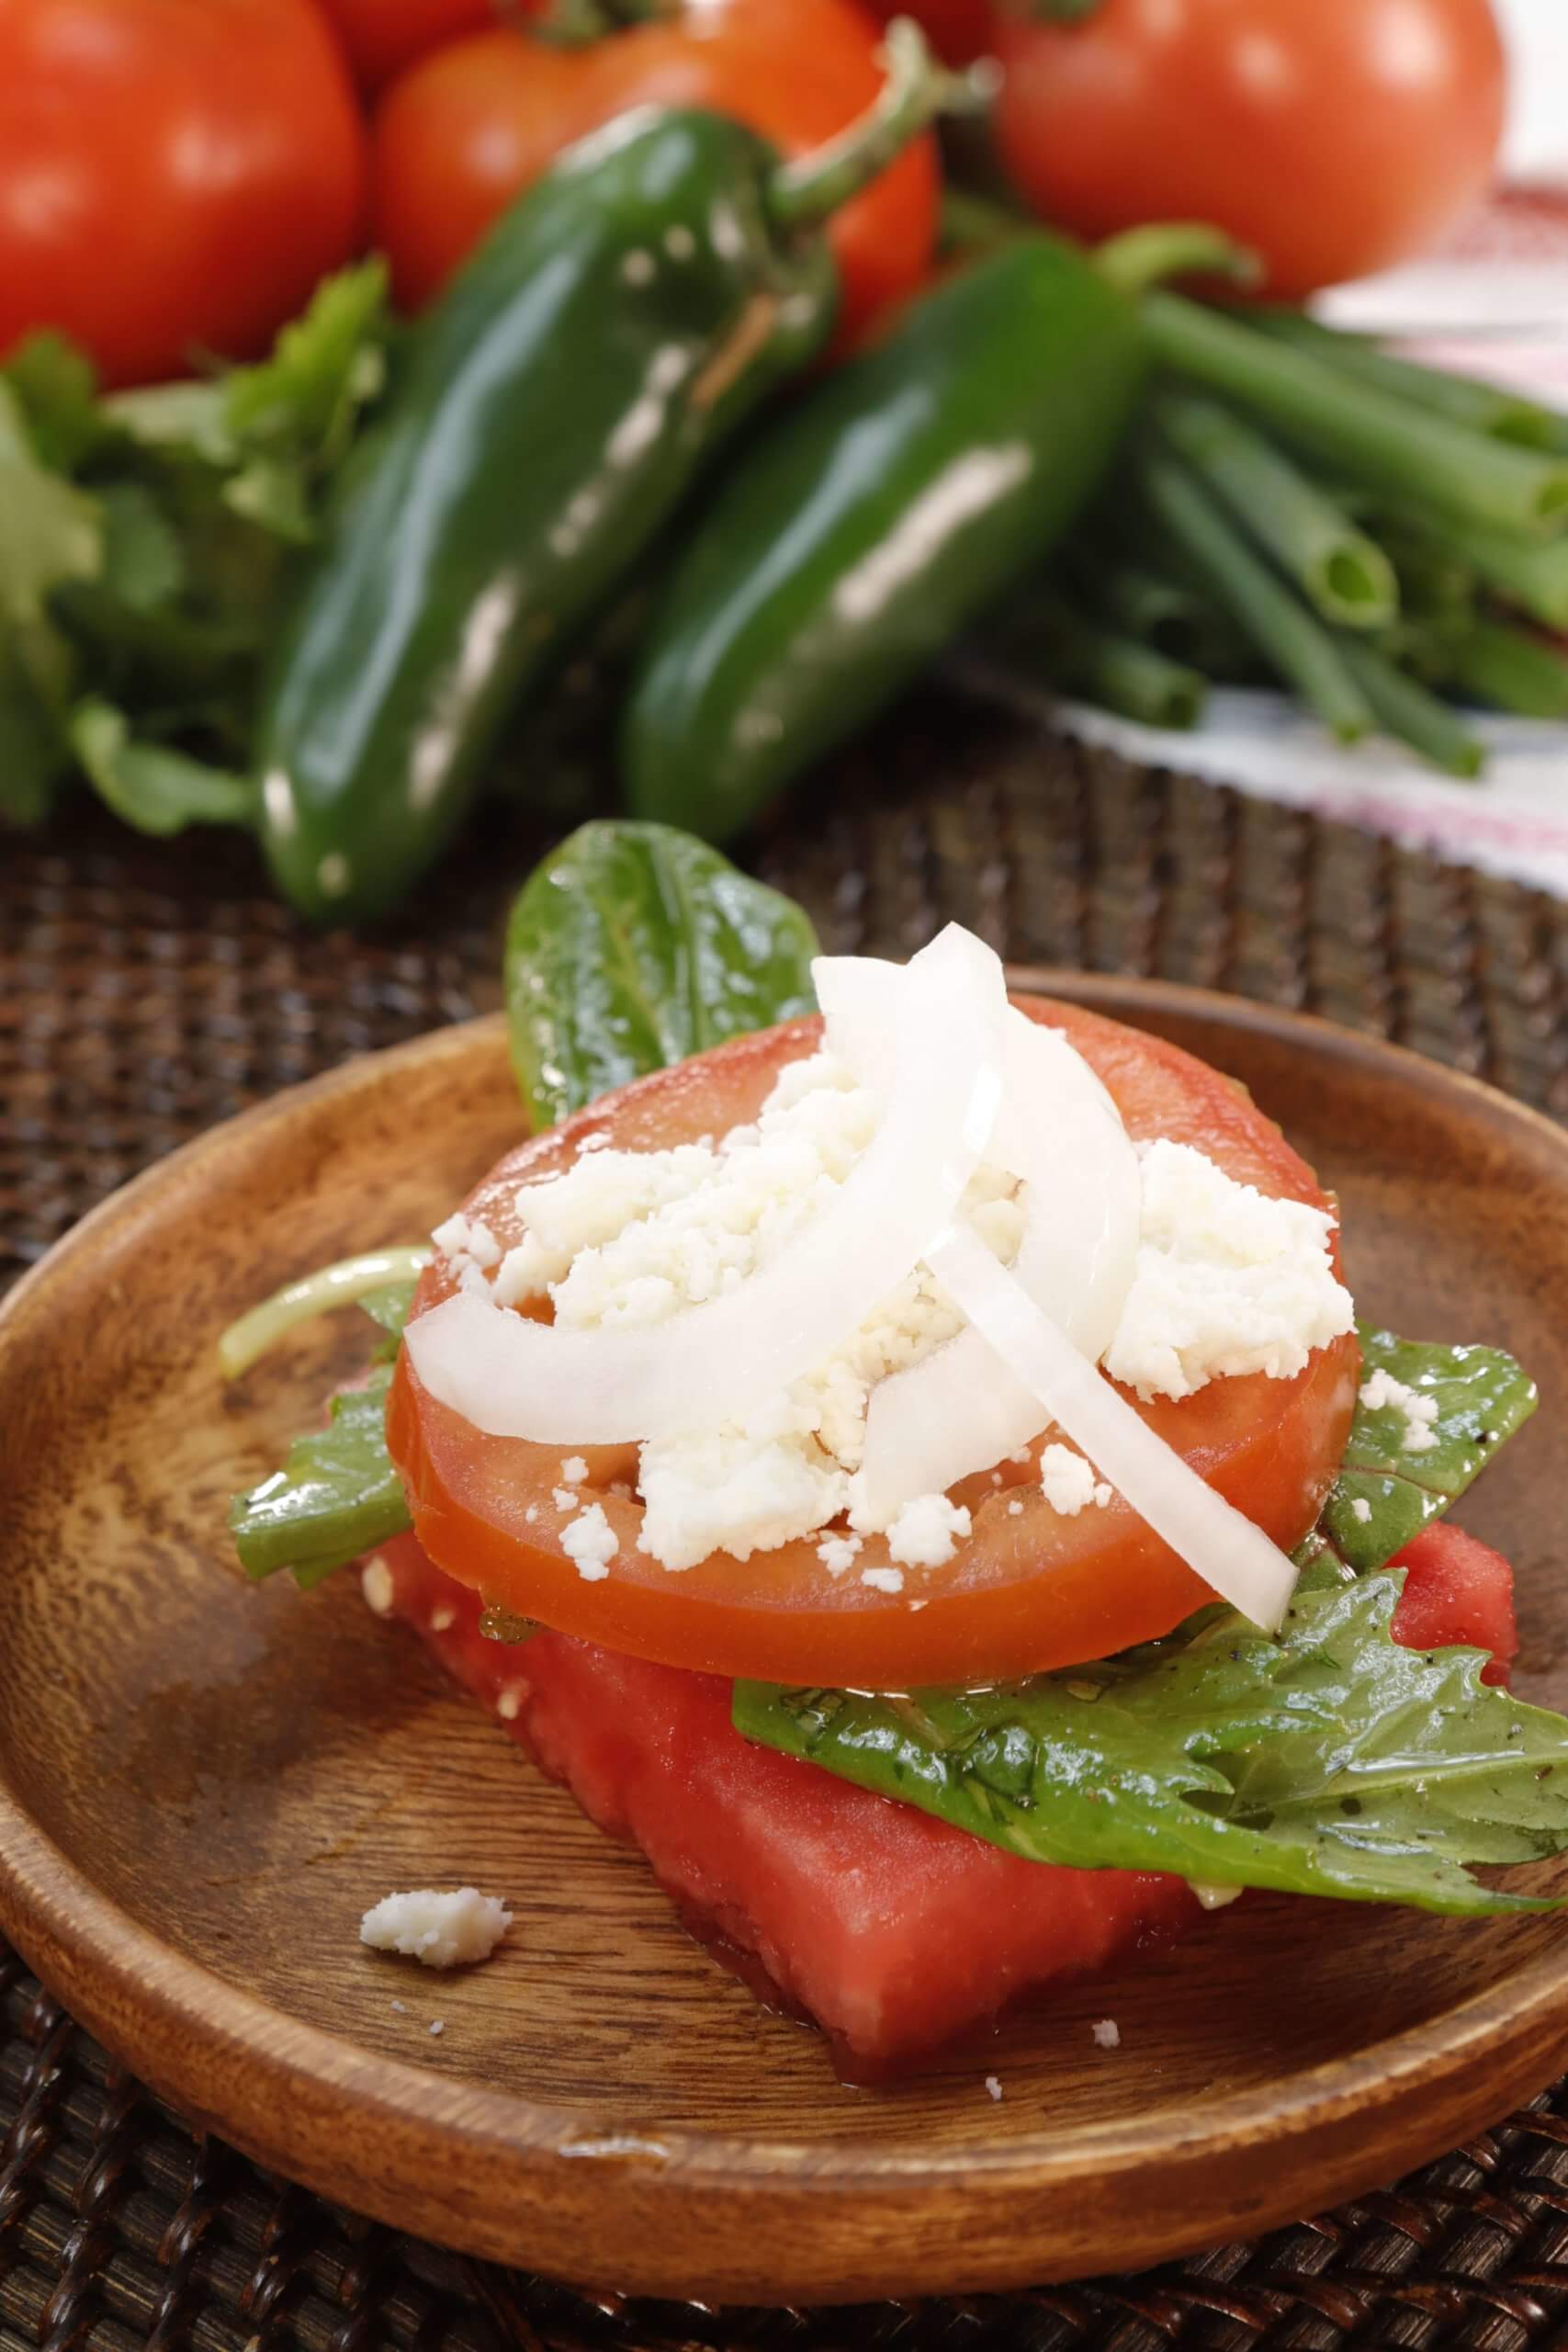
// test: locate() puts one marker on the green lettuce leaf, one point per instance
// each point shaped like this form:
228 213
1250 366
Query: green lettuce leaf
1331 1762
635 945
52 532
336 1496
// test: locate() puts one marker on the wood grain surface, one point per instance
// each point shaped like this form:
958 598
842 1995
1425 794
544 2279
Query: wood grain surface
203 1784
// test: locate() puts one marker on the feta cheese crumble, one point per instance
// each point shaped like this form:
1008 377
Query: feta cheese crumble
591 1542
438 1930
882 1579
375 1584
1069 1483
573 1470
837 1552
1227 1282
993 2087
1419 1413
927 1532
1107 2034
1362 1508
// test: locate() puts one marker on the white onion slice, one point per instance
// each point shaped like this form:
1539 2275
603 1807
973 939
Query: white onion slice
958 1411
713 1363
1214 1539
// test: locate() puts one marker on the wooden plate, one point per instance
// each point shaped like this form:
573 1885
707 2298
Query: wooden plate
203 1785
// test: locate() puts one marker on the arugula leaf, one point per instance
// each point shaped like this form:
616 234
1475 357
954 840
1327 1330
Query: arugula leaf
53 532
1483 1397
336 1496
154 789
1330 1762
636 945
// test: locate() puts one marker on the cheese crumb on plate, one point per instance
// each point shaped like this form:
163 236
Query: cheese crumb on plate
450 1930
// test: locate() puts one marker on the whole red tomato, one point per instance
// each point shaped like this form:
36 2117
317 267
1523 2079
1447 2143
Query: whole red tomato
464 132
1336 137
174 175
382 37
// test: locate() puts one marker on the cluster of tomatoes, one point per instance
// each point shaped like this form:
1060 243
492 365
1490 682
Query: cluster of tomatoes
175 174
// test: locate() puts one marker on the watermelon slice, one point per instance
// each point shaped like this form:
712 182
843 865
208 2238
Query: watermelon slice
857 1912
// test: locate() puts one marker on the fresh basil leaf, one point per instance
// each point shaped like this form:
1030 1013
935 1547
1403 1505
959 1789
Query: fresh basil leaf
1332 1761
155 789
1386 1492
52 532
336 1496
634 945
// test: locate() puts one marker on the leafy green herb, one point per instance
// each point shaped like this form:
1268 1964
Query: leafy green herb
1482 1397
53 532
154 789
146 554
1330 1762
635 945
336 1496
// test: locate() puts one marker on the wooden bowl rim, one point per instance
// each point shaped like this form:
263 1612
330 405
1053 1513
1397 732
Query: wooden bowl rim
174 2018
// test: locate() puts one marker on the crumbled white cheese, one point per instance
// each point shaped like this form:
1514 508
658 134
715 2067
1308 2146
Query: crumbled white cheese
509 1706
1361 1508
837 1552
993 2087
443 1620
439 1931
1227 1282
565 1497
375 1584
438 2025
1068 1484
882 1579
470 1248
573 1470
1015 1511
592 1542
1419 1413
1107 2034
927 1532
402 2007
1213 1898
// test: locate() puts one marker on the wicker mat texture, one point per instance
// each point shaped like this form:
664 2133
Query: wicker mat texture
148 990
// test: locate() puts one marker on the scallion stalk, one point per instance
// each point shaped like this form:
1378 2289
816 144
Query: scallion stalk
1292 639
1405 451
1408 711
1464 400
1511 669
1344 574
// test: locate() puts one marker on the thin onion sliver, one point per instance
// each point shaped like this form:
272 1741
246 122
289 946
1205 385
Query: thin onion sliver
1218 1541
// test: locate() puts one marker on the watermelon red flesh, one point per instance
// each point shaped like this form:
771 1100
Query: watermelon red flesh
1457 1589
891 1930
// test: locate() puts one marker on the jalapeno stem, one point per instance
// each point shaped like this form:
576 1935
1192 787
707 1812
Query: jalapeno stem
1407 452
1344 574
1143 258
917 90
1291 640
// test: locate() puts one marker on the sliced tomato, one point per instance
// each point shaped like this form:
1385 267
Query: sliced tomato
1025 1592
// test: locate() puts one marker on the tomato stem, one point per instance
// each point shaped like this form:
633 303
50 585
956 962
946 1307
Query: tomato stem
1143 258
916 91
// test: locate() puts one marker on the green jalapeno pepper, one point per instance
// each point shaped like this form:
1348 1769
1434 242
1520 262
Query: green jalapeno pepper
619 320
882 516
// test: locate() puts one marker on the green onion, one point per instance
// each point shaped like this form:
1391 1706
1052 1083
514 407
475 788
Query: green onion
1174 617
1512 669
352 1279
1406 710
1478 407
1522 571
1293 640
1344 574
1405 451
1122 675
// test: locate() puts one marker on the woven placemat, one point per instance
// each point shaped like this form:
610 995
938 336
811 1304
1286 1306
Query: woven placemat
147 990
